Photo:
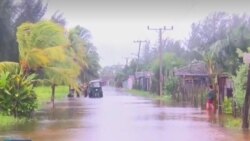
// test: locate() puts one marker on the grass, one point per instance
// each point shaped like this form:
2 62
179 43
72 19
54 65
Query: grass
44 94
7 121
164 98
231 122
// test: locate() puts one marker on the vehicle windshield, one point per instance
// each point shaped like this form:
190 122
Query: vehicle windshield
95 84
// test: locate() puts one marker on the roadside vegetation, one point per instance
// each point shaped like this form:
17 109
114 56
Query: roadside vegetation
37 51
218 41
44 94
166 98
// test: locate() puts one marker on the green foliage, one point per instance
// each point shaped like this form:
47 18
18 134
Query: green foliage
84 53
171 85
40 44
240 83
7 121
228 106
12 15
29 11
41 35
9 66
165 98
231 122
221 40
43 94
44 46
17 97
170 61
47 34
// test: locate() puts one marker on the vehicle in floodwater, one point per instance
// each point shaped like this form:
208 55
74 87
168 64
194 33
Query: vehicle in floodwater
95 89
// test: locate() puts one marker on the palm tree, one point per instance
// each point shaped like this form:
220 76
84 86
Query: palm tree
85 52
44 46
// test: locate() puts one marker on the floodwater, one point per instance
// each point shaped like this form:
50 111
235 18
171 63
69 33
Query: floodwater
119 116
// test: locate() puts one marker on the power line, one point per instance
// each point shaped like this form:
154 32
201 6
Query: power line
160 31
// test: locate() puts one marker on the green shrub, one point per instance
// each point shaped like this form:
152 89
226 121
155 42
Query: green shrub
17 97
171 85
240 83
228 106
231 122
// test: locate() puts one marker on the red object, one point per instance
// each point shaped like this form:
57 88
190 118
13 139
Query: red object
210 101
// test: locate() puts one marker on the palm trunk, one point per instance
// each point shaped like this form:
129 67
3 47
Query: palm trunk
53 87
245 121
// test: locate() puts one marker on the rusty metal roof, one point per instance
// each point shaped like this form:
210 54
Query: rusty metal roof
196 68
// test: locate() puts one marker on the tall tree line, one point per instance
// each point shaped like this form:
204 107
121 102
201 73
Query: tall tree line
12 16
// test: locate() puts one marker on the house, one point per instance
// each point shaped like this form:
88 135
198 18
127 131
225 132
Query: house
143 80
193 80
195 74
128 84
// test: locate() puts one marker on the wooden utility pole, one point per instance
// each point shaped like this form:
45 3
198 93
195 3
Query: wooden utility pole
160 31
139 51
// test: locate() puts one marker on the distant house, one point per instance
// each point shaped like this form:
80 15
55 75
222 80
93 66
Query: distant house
128 84
193 80
143 80
193 74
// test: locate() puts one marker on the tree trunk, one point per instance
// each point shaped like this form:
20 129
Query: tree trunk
53 87
245 121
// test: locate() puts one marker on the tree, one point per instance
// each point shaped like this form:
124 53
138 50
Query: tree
77 46
29 11
208 31
85 53
223 31
242 91
58 18
12 16
170 61
40 44
8 49
44 45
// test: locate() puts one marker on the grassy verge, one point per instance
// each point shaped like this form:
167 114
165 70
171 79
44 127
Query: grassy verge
165 98
44 94
234 123
8 121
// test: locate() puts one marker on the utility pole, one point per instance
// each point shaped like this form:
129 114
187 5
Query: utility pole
139 51
160 31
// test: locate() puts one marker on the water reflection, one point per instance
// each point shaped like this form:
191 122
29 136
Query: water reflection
125 118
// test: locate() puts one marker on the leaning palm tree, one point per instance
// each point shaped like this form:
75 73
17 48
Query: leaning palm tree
64 72
44 46
40 44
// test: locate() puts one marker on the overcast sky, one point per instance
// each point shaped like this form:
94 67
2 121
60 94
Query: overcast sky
115 24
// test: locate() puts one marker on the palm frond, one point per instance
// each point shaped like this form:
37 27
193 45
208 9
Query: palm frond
8 66
56 53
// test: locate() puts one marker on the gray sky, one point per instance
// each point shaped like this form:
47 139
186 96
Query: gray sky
115 24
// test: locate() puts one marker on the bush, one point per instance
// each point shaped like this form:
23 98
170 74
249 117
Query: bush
240 82
228 106
17 97
171 85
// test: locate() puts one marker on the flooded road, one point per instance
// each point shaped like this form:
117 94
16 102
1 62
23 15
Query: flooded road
122 117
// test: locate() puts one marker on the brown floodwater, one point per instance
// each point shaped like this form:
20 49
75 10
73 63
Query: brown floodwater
119 116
